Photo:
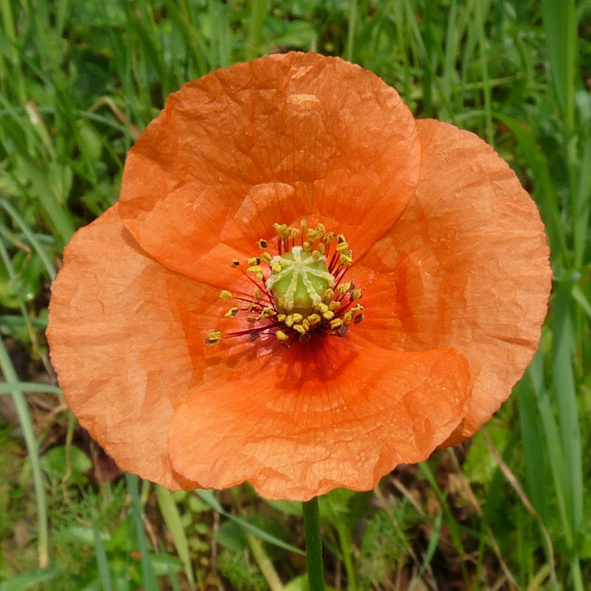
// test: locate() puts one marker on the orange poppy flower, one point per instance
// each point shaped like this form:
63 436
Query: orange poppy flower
301 286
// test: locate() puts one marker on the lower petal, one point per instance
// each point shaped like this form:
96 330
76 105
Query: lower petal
330 417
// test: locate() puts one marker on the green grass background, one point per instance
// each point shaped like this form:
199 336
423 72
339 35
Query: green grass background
79 80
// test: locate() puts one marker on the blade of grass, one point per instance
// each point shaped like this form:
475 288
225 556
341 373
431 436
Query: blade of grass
171 574
533 444
581 205
425 53
553 444
207 496
454 529
560 26
12 276
148 576
19 322
255 28
12 53
512 480
483 55
30 237
101 558
26 423
264 562
565 397
582 300
26 581
57 214
397 14
351 29
221 43
451 48
172 518
29 387
433 543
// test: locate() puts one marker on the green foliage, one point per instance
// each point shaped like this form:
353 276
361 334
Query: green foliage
385 545
80 80
242 574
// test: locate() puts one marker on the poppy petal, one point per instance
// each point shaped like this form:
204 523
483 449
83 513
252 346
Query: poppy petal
291 136
121 354
465 266
331 417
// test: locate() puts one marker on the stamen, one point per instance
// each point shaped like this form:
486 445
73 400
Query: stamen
298 294
214 337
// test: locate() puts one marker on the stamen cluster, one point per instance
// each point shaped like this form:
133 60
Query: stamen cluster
309 262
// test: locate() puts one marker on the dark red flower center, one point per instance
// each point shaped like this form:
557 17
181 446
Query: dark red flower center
299 293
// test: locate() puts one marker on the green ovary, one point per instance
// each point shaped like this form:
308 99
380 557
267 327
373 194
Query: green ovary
299 281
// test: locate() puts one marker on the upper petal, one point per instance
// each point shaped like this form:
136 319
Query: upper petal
465 266
273 140
316 417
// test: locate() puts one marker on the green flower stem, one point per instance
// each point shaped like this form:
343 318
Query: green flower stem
313 545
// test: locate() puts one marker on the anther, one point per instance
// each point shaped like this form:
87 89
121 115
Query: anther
281 336
313 319
214 337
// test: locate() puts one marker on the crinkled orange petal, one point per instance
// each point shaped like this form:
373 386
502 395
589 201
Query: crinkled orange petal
321 416
465 266
273 140
117 344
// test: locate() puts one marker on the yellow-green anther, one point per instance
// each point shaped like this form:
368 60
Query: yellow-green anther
335 323
346 259
313 319
214 337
